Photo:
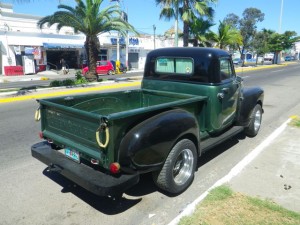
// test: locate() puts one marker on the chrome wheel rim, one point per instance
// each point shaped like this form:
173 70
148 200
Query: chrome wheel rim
183 167
257 120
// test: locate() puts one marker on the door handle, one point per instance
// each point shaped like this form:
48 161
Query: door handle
220 96
225 90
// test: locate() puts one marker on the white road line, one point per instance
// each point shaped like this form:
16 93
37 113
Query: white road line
233 172
276 71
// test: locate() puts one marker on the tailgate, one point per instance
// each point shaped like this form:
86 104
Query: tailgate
72 128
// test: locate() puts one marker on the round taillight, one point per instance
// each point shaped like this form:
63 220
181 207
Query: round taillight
114 167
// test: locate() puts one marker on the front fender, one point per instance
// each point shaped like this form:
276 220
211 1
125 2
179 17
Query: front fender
250 97
147 145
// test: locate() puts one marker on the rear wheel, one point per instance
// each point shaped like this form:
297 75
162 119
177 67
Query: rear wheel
178 171
255 123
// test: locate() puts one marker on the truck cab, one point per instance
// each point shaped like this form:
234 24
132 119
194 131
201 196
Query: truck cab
209 72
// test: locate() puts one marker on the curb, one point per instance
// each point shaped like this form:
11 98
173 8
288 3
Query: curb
69 92
233 172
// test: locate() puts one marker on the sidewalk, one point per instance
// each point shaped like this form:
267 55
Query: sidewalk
48 74
275 173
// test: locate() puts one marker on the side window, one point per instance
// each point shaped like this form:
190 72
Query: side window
174 65
225 69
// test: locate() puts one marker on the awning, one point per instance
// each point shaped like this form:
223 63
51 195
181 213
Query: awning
61 46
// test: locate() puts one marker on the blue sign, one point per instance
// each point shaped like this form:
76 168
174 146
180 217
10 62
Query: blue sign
133 41
114 41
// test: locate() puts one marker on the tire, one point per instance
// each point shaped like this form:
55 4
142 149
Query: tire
255 122
178 170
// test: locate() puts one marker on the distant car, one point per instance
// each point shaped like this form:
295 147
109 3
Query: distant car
237 61
289 58
103 67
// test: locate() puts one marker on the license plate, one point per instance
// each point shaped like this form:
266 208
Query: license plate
72 154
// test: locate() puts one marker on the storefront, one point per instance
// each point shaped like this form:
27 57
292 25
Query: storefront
73 54
29 53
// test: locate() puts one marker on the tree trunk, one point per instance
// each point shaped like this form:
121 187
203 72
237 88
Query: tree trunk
276 58
185 25
91 75
185 34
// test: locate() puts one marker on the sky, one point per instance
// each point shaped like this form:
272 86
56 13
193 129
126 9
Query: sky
144 14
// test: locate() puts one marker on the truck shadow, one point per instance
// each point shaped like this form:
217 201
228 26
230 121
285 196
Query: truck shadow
146 186
106 205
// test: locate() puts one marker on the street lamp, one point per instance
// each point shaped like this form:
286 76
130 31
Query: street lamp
280 17
279 29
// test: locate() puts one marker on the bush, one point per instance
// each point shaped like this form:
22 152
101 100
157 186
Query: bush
67 82
79 79
55 83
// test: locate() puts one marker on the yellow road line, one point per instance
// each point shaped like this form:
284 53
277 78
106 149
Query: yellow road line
53 93
241 69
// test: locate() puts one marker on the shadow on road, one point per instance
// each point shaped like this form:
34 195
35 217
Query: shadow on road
106 205
112 206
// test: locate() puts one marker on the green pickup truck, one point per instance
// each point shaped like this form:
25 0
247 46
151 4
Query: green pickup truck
190 101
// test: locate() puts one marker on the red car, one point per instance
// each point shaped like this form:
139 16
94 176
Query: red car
103 67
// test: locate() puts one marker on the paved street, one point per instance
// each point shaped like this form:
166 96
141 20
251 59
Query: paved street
43 198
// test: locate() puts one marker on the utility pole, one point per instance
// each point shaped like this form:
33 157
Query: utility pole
154 28
278 60
118 39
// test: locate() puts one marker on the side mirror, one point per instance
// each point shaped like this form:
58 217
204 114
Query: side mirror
239 79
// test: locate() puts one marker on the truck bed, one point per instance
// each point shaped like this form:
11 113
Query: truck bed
112 104
72 122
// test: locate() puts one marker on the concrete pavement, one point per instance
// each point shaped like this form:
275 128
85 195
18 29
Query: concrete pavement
275 173
51 74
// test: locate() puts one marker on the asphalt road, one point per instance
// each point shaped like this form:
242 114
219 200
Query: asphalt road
30 195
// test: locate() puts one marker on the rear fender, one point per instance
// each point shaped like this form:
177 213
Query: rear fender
249 98
147 145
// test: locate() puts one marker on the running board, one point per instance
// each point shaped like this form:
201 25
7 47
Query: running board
214 141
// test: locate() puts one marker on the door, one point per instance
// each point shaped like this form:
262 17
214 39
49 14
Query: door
133 60
227 95
28 64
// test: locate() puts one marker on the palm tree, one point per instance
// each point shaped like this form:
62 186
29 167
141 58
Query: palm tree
87 18
199 30
187 9
226 35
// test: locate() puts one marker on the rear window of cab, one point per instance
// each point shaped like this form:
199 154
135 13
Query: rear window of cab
174 65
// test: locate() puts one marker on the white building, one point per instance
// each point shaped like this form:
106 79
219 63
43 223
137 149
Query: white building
27 49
